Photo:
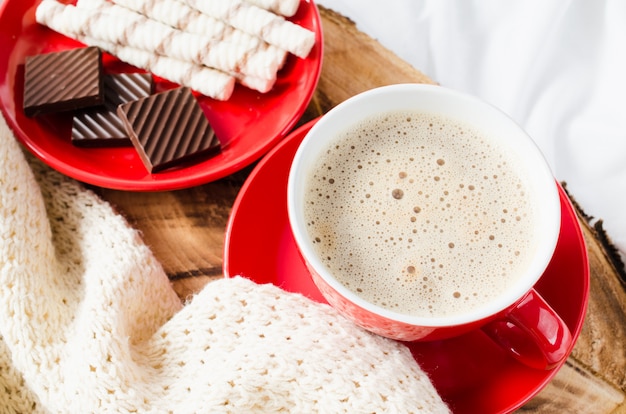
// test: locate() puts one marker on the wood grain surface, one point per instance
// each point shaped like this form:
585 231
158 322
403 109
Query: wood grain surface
185 229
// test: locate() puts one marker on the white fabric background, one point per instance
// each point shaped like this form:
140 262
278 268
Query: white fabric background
558 67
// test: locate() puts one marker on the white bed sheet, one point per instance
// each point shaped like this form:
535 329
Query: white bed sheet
558 67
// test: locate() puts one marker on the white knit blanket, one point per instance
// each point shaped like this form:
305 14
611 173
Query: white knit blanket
90 323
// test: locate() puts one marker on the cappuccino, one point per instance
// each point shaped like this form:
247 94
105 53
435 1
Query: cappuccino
420 214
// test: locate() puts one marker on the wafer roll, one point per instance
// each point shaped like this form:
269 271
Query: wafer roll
175 14
256 21
285 8
132 29
180 16
207 81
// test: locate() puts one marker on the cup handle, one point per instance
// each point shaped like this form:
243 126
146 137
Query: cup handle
532 332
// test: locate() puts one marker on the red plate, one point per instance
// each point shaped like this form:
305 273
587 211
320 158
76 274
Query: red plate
471 373
248 124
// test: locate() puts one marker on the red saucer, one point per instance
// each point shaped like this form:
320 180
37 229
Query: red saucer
472 374
248 124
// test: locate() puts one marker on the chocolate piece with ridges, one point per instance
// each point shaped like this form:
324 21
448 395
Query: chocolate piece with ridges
168 128
101 126
62 81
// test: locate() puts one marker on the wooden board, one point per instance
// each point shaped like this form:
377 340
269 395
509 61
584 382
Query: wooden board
185 229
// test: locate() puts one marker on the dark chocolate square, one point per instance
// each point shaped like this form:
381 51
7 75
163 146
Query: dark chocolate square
62 81
101 126
168 128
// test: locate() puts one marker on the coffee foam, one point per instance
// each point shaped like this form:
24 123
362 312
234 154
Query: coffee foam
420 214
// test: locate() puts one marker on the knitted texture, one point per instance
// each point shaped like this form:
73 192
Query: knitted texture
90 324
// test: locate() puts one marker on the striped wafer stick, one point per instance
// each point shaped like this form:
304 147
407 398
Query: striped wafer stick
285 8
180 16
135 30
207 81
175 14
272 28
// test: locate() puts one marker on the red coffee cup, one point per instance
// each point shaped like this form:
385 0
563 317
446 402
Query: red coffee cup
440 125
